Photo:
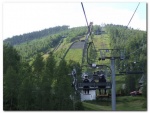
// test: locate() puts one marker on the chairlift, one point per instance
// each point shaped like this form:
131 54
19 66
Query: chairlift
111 53
93 86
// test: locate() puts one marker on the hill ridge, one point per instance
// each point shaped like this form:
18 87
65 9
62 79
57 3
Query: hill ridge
18 39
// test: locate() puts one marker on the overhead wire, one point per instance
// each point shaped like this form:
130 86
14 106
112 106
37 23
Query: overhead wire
131 18
128 25
133 13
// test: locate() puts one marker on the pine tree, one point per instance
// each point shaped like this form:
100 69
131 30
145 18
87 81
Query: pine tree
63 88
10 58
11 78
38 66
11 89
26 90
47 80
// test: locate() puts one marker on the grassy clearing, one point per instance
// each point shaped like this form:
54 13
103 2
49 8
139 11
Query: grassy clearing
94 107
130 103
102 41
124 103
75 55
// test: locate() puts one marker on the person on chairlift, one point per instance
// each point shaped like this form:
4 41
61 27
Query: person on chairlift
102 80
86 88
93 81
94 75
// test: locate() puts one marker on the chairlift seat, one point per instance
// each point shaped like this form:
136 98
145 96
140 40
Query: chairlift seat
93 86
102 95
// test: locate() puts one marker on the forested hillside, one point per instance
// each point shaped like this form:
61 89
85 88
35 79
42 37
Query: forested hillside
18 39
31 45
35 77
134 43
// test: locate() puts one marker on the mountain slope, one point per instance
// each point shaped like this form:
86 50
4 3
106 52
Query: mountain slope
15 40
28 49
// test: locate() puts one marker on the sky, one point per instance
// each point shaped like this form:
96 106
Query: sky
24 17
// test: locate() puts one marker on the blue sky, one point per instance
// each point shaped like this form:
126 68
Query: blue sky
23 17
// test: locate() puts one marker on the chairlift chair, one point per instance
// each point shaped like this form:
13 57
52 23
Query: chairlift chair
94 86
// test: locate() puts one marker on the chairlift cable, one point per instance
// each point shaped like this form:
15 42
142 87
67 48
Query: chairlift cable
134 13
131 18
128 25
84 14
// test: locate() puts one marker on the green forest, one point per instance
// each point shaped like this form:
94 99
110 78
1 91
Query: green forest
36 77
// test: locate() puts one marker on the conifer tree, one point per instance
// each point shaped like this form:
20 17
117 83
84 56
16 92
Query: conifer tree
11 89
11 78
10 58
38 66
47 80
63 88
26 92
27 89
